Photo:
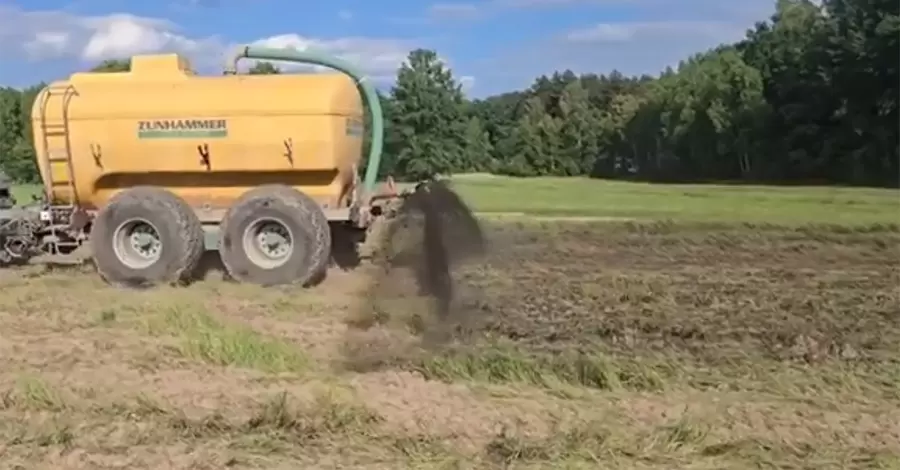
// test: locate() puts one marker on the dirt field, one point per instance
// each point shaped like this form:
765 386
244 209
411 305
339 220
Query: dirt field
573 345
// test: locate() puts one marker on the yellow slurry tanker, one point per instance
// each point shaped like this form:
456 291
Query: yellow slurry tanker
156 165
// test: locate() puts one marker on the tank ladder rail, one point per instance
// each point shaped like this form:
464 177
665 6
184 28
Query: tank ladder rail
58 153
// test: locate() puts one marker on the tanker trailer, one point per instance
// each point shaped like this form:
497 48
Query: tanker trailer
156 165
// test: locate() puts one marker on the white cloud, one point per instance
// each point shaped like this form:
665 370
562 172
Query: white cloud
664 36
52 35
122 35
345 15
463 11
48 43
445 12
625 32
55 35
555 3
643 46
467 82
377 58
478 10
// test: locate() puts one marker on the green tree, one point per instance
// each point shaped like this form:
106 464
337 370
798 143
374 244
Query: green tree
616 131
862 44
784 51
28 96
21 163
427 118
535 143
580 135
477 147
12 132
811 94
264 68
113 65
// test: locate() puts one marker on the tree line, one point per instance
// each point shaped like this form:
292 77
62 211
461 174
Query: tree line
809 96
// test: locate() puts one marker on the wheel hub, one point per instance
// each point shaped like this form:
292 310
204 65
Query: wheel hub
137 243
268 243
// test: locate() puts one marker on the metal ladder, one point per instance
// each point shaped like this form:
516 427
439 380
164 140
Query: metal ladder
58 148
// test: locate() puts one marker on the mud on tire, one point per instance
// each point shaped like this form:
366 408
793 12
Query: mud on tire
285 214
146 236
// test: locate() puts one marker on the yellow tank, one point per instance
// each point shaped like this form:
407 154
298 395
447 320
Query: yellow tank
206 139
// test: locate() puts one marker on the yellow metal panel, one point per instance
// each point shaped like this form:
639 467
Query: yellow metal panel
208 139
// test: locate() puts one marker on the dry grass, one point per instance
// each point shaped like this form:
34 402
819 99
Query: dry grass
576 346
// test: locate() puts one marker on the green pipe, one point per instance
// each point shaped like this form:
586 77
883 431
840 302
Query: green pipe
366 91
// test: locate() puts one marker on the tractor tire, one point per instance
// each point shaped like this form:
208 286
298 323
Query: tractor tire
146 236
300 248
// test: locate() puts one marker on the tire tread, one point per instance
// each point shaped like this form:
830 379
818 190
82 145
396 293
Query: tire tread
311 213
188 225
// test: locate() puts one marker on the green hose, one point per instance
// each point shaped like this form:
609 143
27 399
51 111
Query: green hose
366 90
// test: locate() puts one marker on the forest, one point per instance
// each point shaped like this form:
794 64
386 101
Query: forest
809 96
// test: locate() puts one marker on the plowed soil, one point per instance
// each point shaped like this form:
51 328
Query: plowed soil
569 345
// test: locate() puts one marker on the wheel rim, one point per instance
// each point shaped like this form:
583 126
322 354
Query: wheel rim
268 243
137 243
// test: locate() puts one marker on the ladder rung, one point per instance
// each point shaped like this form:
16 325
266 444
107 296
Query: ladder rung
60 154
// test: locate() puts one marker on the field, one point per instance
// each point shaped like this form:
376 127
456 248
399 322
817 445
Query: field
722 327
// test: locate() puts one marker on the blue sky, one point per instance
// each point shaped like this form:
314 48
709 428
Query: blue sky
491 45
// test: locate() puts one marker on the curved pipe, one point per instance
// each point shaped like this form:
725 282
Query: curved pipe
366 91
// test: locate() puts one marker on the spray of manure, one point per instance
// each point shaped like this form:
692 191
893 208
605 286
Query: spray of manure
431 233
425 238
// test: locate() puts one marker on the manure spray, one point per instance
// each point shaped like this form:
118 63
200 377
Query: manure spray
431 232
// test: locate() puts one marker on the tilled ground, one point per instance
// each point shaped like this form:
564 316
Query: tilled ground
712 294
571 345
707 294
